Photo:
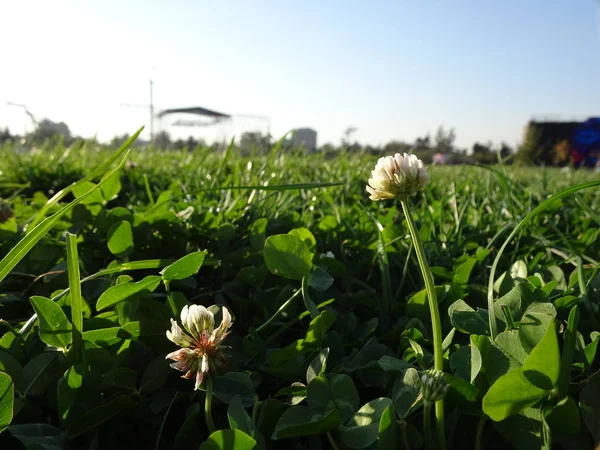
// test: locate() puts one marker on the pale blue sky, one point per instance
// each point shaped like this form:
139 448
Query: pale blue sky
394 69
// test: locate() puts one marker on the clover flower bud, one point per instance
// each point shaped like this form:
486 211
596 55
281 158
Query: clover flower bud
433 385
397 175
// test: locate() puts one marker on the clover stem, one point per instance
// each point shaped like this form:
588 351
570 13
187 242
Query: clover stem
436 325
427 431
170 300
208 405
508 316
279 311
404 435
331 441
479 433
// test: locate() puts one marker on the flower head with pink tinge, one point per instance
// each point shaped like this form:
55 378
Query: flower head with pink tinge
201 351
397 175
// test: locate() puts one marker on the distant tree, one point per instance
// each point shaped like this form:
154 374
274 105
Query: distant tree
353 148
347 138
328 148
192 143
444 140
48 130
530 150
117 141
423 143
5 136
162 140
372 150
393 147
179 144
505 150
481 148
218 146
251 142
484 153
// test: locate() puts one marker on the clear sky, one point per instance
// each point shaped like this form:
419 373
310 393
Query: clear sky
394 69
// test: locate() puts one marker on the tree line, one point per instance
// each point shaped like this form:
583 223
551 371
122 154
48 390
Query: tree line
440 147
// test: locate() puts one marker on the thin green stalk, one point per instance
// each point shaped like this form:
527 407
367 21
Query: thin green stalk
164 420
570 339
286 326
75 296
170 300
509 318
208 405
148 190
436 324
255 409
588 209
11 329
386 281
404 435
404 271
331 441
479 432
279 311
584 294
427 431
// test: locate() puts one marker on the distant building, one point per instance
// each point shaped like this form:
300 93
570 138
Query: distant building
304 137
581 137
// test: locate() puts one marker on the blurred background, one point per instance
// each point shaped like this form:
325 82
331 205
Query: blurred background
468 77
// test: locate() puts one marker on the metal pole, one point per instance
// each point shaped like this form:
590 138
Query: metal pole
151 114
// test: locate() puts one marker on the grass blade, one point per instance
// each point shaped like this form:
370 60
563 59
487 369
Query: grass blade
223 162
570 339
386 279
280 187
98 171
76 300
19 251
133 265
541 207
584 294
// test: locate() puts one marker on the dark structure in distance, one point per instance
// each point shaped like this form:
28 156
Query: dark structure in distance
556 143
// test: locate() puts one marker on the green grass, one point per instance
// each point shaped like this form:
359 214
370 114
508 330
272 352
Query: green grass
117 391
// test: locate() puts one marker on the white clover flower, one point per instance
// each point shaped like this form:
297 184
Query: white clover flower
201 350
397 176
186 213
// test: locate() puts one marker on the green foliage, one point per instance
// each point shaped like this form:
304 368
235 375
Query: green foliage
228 440
302 421
288 256
7 394
54 327
120 238
331 327
127 291
522 387
184 267
363 428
